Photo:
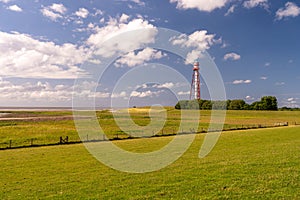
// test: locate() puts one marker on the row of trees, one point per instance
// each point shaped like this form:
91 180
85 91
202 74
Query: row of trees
266 103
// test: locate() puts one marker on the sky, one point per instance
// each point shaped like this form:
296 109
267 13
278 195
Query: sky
83 52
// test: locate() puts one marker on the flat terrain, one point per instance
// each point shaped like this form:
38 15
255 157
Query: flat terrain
23 128
249 164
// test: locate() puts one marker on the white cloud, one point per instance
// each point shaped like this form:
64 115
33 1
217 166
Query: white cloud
119 95
46 92
143 94
291 102
24 56
54 11
291 99
224 45
290 10
202 5
249 98
235 82
267 64
124 18
5 1
254 3
132 59
82 12
199 40
230 10
59 8
168 85
232 56
263 78
50 14
280 83
139 2
183 93
15 8
106 43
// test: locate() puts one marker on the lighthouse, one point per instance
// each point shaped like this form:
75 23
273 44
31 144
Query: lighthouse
195 86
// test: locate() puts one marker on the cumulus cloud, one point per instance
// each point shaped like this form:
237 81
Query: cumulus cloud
291 102
291 99
132 59
143 94
5 1
202 5
119 95
254 3
54 11
15 8
289 10
236 82
199 41
183 93
232 56
26 57
168 85
82 12
249 98
106 43
124 18
46 92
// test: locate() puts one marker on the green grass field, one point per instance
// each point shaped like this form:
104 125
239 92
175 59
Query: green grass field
48 130
251 164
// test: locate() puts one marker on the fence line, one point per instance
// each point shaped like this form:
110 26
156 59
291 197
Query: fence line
34 142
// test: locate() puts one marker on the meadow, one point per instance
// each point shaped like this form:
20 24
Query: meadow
248 164
46 127
245 164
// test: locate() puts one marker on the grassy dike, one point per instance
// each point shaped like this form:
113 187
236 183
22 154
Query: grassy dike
250 164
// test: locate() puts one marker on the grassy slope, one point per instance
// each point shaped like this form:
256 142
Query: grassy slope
258 164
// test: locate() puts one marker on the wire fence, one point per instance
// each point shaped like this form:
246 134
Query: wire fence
62 140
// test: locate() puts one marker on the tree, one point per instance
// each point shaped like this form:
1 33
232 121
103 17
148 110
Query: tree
182 104
207 105
256 105
237 104
219 105
193 105
266 103
269 103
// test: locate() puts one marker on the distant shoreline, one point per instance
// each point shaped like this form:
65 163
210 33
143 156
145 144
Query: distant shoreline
46 108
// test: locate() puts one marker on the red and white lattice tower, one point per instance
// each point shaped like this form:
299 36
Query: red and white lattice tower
195 86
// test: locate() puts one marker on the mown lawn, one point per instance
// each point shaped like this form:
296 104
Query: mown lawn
252 164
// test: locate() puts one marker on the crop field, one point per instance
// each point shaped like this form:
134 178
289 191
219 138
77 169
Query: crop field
247 164
27 128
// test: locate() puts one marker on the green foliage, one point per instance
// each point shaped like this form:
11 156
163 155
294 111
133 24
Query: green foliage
266 103
237 104
288 109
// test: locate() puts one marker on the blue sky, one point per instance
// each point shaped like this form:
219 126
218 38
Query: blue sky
46 46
